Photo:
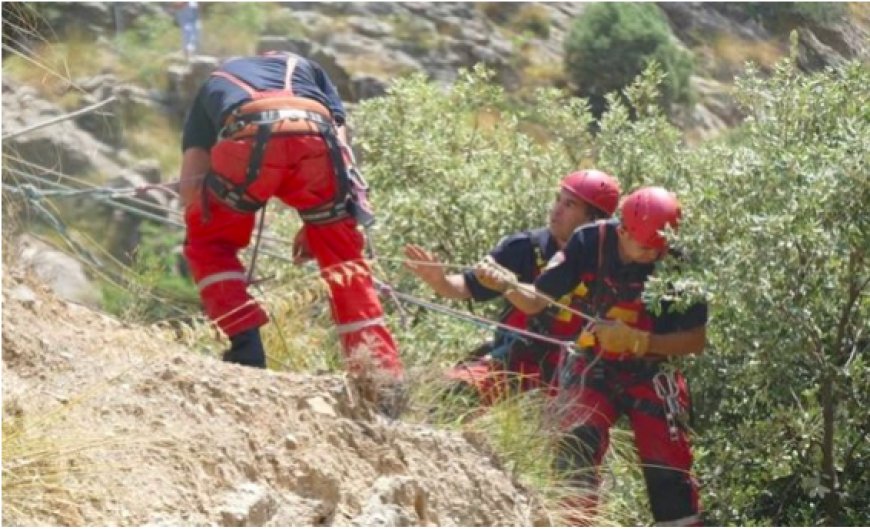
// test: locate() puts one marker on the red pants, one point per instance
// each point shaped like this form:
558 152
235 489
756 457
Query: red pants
494 380
297 170
589 406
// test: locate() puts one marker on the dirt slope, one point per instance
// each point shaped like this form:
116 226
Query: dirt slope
169 437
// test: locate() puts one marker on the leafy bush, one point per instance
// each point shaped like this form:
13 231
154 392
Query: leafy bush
773 221
611 43
457 169
777 222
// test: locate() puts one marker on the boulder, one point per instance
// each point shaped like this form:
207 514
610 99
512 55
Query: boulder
185 80
62 273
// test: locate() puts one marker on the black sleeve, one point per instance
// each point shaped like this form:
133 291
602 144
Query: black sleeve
562 273
513 253
672 321
325 84
199 129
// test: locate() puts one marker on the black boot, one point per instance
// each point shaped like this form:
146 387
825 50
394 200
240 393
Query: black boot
247 349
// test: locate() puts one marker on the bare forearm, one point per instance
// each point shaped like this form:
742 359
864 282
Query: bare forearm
341 132
679 343
195 163
451 286
525 298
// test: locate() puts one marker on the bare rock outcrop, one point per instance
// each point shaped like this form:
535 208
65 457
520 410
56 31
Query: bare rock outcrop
148 432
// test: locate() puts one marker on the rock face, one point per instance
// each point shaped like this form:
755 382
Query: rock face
62 273
69 153
62 147
192 441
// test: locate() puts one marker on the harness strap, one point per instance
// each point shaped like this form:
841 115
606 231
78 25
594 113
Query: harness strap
228 193
269 121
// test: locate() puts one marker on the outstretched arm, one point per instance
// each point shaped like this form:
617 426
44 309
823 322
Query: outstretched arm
426 266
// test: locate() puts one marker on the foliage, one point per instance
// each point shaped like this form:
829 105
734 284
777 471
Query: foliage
416 35
455 170
143 50
778 227
232 28
611 43
153 290
785 275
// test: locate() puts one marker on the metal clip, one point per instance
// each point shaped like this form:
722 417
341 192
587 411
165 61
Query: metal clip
666 389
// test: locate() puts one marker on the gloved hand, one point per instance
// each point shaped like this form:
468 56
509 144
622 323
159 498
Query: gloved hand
247 349
301 252
494 276
616 336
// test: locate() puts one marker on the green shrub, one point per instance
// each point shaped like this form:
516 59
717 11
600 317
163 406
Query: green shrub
611 43
776 218
773 219
144 50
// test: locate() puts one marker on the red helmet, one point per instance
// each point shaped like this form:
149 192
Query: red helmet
647 211
595 187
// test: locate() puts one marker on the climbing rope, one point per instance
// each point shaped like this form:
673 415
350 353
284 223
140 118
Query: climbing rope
110 195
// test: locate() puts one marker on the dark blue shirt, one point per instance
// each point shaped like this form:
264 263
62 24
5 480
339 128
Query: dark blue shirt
579 260
519 254
218 96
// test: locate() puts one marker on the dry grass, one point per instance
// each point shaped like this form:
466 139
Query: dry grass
300 336
735 51
35 474
519 430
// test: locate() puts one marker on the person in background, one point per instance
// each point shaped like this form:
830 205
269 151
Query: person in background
187 17
511 360
621 363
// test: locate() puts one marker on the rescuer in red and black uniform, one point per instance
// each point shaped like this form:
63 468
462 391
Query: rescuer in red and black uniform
274 126
512 360
619 367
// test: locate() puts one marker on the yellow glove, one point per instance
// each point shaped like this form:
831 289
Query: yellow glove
617 337
494 276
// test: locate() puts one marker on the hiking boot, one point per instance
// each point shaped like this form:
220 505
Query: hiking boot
247 349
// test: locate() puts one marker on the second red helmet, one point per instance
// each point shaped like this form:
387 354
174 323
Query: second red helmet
647 211
595 187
